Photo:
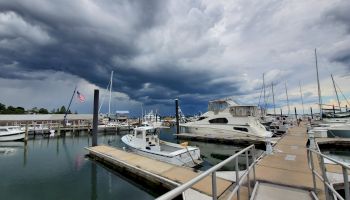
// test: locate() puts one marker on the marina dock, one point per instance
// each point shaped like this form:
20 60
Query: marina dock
283 174
161 173
287 170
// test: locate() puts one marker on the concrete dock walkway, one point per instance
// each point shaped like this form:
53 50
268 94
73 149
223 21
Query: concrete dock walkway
288 167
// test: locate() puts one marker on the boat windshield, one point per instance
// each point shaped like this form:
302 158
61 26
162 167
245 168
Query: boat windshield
151 131
217 105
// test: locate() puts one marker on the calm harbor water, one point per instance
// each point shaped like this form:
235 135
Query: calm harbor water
340 154
56 168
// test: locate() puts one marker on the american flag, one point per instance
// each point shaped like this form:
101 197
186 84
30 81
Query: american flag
81 97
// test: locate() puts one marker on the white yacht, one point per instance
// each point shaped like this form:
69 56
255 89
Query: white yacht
226 117
11 133
145 141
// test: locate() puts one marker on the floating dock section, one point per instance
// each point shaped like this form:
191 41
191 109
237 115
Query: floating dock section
168 175
286 173
283 174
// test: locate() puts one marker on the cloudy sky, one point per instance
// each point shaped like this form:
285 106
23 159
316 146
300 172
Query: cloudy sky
160 50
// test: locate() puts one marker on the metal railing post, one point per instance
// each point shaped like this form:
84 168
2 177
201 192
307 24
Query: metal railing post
312 169
213 185
237 176
212 171
346 183
247 168
254 159
324 176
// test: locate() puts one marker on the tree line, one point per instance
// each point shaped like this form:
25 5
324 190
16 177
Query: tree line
20 110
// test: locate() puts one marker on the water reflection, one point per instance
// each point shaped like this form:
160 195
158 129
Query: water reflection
55 168
93 181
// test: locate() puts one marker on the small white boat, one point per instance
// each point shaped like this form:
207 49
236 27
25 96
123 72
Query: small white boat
38 129
145 141
11 133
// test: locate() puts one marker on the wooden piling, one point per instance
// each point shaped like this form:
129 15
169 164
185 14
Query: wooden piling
59 129
95 118
26 133
177 116
312 116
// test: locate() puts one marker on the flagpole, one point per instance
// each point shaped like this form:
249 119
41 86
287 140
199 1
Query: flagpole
71 99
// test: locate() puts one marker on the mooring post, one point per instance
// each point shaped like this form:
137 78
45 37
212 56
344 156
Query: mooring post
26 133
281 112
59 129
312 116
177 116
95 118
296 116
346 108
333 111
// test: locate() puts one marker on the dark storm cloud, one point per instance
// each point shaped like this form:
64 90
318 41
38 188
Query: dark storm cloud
83 43
340 15
160 50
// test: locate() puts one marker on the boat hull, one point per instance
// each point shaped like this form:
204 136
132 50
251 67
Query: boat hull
12 137
215 130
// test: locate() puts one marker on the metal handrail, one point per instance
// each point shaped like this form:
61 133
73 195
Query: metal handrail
180 189
327 185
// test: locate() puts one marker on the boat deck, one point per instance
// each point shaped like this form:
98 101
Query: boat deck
167 148
156 171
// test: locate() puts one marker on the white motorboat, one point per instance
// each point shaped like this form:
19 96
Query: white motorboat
11 133
226 117
145 141
331 130
38 128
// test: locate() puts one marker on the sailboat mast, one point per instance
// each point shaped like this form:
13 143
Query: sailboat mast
336 92
319 87
110 95
264 94
273 99
285 84
301 96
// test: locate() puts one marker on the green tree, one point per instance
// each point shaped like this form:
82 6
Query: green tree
19 110
63 110
35 110
43 111
2 107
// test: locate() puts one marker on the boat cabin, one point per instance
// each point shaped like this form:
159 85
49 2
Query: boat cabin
234 108
147 138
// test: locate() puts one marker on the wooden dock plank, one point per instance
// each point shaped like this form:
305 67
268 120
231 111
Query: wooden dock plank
166 170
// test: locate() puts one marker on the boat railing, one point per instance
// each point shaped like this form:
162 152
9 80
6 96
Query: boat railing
330 192
212 171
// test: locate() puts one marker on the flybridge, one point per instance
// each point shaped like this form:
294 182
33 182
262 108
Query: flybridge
235 109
